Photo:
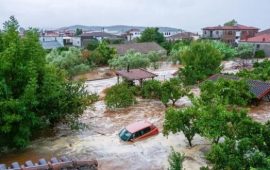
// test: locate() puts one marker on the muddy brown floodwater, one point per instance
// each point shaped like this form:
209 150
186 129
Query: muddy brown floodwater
100 140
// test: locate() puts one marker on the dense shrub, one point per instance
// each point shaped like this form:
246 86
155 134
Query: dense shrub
102 54
260 54
226 50
151 89
131 59
260 71
92 44
231 92
120 96
245 51
72 60
176 160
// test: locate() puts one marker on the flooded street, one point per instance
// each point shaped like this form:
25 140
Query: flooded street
100 140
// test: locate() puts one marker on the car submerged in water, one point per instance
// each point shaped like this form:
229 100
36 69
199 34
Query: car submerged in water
137 131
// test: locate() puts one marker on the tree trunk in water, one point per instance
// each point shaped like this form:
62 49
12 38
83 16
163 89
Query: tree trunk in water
189 142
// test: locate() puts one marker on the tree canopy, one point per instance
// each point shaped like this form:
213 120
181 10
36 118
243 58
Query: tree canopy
151 35
201 60
71 60
33 94
233 22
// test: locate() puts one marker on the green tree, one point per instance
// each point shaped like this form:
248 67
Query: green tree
92 44
151 89
232 92
225 49
245 51
181 120
33 94
102 54
120 96
260 54
233 22
260 71
154 57
172 90
200 60
152 35
78 32
131 59
176 160
177 49
71 60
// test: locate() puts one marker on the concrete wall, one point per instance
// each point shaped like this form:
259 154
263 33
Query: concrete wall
52 38
215 34
76 41
260 46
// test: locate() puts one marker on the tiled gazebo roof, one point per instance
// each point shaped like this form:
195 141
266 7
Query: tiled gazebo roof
135 74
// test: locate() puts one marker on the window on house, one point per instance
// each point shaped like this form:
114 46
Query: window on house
258 46
217 32
229 32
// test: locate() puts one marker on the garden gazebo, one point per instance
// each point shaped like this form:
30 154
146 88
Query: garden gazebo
135 74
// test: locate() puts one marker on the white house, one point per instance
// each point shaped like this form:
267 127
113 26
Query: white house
133 34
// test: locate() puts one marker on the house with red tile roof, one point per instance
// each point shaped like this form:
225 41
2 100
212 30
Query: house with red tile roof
229 34
260 42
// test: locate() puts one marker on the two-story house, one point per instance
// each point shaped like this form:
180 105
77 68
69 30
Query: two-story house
229 34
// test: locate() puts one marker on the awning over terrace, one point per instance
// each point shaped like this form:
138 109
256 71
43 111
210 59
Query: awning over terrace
135 74
259 88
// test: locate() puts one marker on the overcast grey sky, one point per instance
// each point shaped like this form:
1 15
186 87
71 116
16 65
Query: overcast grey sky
187 14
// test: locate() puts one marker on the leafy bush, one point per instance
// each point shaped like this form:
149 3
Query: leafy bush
260 71
151 89
176 160
102 54
260 54
201 60
245 51
120 96
134 60
71 61
226 50
33 94
177 49
231 92
154 57
92 44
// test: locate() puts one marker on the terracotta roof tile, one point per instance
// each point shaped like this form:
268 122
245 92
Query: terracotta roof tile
264 38
135 74
144 48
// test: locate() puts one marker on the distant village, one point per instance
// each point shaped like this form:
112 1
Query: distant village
79 36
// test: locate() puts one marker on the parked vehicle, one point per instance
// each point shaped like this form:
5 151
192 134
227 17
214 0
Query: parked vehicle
137 131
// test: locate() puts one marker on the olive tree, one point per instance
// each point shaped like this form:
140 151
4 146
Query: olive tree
181 120
172 90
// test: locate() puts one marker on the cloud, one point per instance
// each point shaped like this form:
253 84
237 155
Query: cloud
187 14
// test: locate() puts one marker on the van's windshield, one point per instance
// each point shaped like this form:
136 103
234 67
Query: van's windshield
125 135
